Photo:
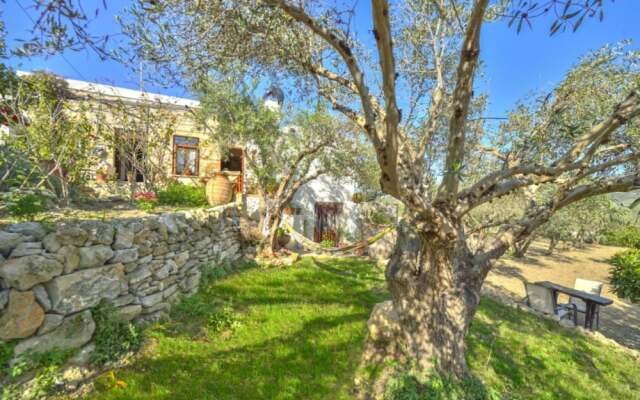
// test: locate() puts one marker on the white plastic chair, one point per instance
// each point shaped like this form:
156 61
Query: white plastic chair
540 298
592 287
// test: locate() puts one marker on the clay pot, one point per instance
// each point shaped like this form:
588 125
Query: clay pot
101 178
219 190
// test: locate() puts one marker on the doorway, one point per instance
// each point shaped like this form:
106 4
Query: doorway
234 162
326 228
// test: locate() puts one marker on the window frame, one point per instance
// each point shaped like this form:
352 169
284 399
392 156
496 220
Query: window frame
188 149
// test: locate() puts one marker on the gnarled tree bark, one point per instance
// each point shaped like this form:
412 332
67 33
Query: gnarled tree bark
435 291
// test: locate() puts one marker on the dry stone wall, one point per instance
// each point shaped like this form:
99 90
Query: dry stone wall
51 278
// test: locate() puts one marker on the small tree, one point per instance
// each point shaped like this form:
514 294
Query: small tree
54 133
281 154
141 134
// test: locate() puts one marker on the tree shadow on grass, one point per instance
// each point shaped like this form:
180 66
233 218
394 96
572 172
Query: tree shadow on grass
313 284
543 360
355 268
301 337
297 366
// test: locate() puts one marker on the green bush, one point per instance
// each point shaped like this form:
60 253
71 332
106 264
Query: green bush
6 354
327 244
628 236
25 207
625 275
177 194
223 319
46 365
114 337
435 387
146 205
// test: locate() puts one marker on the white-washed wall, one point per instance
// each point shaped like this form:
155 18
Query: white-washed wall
51 278
328 189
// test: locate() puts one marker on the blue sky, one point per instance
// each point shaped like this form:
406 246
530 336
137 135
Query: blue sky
515 65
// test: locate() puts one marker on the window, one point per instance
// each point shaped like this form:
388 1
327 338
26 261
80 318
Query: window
186 156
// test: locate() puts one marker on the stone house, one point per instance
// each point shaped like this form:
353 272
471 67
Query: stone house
189 157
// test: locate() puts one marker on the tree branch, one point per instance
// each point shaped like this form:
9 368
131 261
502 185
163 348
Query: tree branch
346 53
321 71
461 98
509 179
623 112
526 226
389 155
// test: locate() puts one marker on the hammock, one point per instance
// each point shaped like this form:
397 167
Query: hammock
313 246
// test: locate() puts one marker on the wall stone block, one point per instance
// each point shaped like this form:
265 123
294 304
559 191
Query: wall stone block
73 332
26 249
85 288
33 229
124 256
8 241
94 256
22 317
25 272
98 232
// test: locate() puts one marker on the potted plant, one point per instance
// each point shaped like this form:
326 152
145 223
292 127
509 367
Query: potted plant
102 174
288 210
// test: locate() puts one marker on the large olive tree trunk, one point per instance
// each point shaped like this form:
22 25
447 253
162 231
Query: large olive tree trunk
435 290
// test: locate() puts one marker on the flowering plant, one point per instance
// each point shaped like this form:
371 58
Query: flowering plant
148 196
146 201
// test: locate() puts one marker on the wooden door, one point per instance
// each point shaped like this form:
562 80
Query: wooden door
327 222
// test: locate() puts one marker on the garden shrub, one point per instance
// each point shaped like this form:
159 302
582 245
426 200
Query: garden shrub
25 207
407 386
222 319
178 194
327 244
145 201
47 366
628 236
6 353
625 275
114 337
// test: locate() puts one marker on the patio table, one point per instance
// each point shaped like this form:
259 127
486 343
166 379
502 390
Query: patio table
592 301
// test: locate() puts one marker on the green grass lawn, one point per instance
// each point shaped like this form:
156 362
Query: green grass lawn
297 333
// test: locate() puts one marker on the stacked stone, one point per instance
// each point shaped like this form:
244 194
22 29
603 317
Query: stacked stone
49 281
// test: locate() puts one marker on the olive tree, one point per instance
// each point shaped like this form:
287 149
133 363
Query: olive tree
141 134
412 94
50 130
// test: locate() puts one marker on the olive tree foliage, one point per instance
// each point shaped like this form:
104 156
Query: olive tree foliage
411 93
60 25
585 221
552 121
284 148
51 131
